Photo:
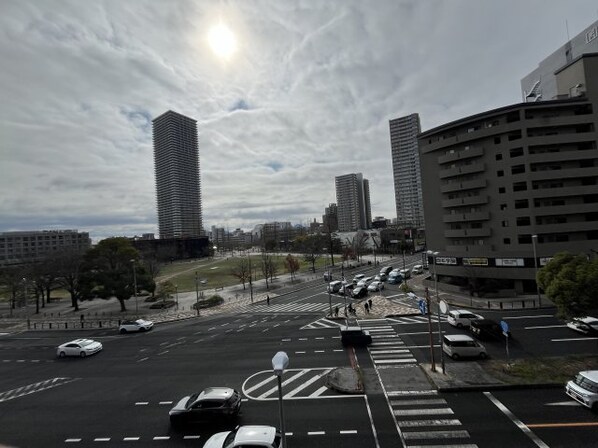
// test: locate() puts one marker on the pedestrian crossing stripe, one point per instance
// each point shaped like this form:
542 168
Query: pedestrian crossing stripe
35 387
413 319
290 307
324 323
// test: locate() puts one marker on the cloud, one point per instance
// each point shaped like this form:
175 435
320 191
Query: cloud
307 97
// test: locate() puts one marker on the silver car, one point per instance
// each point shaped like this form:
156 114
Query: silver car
246 436
209 403
78 347
129 326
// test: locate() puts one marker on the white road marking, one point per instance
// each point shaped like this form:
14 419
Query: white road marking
306 384
319 351
284 383
260 384
131 439
72 440
162 438
191 437
538 316
541 327
143 359
165 402
437 411
417 402
436 435
300 352
102 439
436 422
348 431
528 432
563 403
318 392
142 403
573 339
316 433
163 353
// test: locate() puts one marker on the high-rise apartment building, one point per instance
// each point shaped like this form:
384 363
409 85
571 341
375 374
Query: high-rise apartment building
406 170
353 202
330 218
540 84
176 160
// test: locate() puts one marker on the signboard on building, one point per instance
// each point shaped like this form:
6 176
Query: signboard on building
510 262
446 260
592 34
544 260
479 261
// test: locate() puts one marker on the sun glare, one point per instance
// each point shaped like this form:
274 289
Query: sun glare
222 41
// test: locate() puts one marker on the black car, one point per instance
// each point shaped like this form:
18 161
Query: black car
487 329
355 336
359 292
209 403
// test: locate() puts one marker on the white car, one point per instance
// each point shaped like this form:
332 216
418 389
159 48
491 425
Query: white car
585 325
462 318
358 277
584 389
376 286
406 273
78 347
246 436
128 326
417 269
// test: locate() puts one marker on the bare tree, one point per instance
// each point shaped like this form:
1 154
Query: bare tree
265 267
241 270
69 265
292 265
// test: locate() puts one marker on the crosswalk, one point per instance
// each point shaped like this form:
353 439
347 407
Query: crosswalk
414 319
295 307
296 384
35 387
387 348
425 418
324 323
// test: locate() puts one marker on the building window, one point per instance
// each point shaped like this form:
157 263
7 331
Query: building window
502 190
523 221
505 223
497 140
520 186
524 239
503 206
506 240
516 152
500 173
498 156
518 169
521 203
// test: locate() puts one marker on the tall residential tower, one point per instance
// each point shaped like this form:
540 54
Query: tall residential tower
353 202
406 170
176 161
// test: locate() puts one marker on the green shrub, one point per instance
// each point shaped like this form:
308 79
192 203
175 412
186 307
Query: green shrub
214 300
163 305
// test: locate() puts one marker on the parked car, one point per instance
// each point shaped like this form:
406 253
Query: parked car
358 277
246 436
395 277
487 329
376 286
79 347
209 403
346 288
462 346
584 389
461 318
406 273
386 270
128 326
334 286
359 292
417 269
355 336
585 325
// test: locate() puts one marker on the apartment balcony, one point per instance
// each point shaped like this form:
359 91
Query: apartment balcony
468 233
470 251
463 217
461 155
465 185
568 173
462 170
470 200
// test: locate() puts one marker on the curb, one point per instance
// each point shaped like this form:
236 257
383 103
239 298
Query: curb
484 387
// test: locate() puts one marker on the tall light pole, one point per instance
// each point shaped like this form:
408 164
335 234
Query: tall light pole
135 287
280 361
197 292
435 255
176 291
534 239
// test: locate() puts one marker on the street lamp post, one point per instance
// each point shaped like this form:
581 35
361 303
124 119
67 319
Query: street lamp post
197 292
280 361
135 287
434 255
176 291
534 240
25 298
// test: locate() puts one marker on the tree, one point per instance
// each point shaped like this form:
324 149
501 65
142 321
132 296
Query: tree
241 270
12 277
571 282
70 273
266 267
165 290
151 266
292 265
111 262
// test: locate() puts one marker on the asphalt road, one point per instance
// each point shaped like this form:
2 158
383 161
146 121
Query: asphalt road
121 396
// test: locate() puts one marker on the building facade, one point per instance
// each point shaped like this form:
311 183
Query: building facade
507 189
540 84
330 218
32 246
406 170
178 185
353 202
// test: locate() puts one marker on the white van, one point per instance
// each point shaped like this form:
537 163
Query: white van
462 346
462 318
584 389
335 286
417 269
406 273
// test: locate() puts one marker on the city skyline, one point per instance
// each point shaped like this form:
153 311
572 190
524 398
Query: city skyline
306 97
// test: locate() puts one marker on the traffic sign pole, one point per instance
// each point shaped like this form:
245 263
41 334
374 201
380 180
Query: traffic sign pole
430 330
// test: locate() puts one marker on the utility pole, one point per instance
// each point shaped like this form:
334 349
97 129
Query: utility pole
197 293
250 279
430 330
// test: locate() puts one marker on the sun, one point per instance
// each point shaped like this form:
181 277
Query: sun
222 41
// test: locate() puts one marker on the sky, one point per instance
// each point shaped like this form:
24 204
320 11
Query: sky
306 96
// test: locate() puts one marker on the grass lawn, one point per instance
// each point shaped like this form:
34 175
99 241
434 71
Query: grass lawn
541 370
217 272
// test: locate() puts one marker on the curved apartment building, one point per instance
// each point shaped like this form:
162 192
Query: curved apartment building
506 189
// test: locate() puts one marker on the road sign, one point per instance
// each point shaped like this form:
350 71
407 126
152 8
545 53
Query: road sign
504 326
443 307
422 307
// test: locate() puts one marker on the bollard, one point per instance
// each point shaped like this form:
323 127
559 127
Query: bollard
50 325
501 305
523 304
34 326
66 325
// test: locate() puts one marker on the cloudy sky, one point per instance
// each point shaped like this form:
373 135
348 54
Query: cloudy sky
306 97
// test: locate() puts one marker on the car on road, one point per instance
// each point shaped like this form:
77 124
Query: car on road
365 281
375 286
327 276
487 329
462 318
584 389
79 347
386 270
585 325
249 436
380 277
130 326
417 269
358 277
359 292
209 403
462 346
334 286
346 288
355 336
395 277
406 273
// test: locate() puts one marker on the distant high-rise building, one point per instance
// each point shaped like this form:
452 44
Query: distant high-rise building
541 85
330 218
353 202
176 160
406 170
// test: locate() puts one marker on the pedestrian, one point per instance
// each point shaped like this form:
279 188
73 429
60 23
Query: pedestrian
370 303
345 312
268 300
336 311
367 308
